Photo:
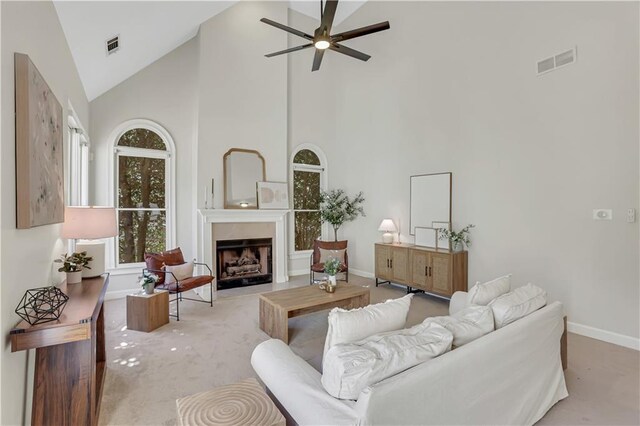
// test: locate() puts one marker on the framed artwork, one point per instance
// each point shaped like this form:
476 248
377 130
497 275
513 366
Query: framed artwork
273 195
39 141
444 244
426 237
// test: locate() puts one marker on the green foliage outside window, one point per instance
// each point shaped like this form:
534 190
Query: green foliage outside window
306 201
141 198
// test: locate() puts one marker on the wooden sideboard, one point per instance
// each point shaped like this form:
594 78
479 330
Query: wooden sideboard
70 357
437 271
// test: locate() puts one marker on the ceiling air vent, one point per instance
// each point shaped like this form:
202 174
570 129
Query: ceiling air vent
557 61
113 44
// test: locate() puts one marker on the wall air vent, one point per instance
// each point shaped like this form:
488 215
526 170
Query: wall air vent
113 44
557 61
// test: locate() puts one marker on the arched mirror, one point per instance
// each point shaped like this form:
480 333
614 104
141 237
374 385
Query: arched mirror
243 168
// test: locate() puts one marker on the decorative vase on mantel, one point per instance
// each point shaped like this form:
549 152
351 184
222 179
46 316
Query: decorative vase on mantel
74 277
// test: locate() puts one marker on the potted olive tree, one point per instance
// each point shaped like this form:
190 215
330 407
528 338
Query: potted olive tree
73 265
336 208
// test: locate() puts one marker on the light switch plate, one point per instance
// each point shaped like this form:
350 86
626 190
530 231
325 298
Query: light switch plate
631 215
602 214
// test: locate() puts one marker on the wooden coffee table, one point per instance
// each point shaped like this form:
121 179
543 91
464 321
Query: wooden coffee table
277 307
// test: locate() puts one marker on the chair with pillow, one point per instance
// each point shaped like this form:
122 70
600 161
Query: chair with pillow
176 276
325 250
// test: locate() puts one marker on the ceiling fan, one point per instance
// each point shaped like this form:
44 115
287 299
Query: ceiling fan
322 38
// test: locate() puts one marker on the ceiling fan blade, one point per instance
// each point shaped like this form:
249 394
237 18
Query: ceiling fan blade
370 29
317 59
328 14
349 52
293 49
287 29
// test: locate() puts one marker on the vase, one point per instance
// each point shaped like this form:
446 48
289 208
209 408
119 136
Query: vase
74 277
149 288
457 246
332 280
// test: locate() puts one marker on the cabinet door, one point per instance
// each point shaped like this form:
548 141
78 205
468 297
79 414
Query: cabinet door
441 274
400 264
420 269
383 262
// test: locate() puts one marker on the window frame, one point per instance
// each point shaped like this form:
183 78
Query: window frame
322 169
170 205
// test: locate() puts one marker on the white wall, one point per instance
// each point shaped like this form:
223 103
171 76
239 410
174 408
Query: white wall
27 254
165 92
452 87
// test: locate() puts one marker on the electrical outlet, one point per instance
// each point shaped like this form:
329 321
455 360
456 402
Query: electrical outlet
602 214
631 215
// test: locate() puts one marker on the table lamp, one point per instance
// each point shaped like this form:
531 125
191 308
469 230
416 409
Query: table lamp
89 224
388 227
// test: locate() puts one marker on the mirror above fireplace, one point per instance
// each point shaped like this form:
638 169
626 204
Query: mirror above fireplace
243 168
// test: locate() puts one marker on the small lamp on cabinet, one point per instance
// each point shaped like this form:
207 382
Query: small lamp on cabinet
90 224
388 227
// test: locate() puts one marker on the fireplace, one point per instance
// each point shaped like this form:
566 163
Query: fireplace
243 262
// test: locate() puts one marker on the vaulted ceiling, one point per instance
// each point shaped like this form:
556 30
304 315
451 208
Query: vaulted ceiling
148 30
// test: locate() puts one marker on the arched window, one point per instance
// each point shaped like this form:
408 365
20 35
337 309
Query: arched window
143 191
308 179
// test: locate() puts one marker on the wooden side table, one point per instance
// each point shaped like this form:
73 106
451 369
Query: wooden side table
146 312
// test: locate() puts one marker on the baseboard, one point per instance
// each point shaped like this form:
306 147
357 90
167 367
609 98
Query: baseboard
604 335
119 294
297 272
361 273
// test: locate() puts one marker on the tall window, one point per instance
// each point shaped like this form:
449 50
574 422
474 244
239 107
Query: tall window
143 194
308 181
78 165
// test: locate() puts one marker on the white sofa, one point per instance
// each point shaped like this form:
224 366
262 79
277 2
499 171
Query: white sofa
512 375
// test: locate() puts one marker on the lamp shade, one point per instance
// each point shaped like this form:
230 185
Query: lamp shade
89 223
387 225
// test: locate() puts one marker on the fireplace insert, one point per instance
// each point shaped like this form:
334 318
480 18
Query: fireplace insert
243 262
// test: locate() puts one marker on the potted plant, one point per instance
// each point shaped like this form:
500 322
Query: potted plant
148 282
336 208
73 265
331 268
457 240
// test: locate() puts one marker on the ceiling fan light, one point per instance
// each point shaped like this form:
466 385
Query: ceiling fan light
322 44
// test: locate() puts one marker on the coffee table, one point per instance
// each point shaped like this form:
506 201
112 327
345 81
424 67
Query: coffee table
277 307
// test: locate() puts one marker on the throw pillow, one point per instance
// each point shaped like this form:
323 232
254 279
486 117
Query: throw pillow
483 293
350 367
519 303
173 257
329 254
180 272
155 262
467 324
350 326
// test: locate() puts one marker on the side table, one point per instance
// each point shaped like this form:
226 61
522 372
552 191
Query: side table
146 312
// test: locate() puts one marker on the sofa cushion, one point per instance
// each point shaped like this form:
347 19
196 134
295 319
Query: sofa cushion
483 293
346 326
349 368
519 303
467 324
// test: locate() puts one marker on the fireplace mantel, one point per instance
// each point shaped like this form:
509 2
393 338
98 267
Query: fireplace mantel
210 216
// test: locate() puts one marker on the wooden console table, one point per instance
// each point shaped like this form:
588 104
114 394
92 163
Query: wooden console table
70 357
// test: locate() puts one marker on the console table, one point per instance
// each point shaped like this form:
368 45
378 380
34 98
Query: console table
70 357
435 271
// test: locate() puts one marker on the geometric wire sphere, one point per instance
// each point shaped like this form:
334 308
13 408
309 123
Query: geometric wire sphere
40 305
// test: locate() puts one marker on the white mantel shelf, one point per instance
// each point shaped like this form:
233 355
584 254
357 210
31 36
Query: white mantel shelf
208 217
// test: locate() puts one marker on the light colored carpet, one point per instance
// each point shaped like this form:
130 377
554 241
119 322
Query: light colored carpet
210 347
